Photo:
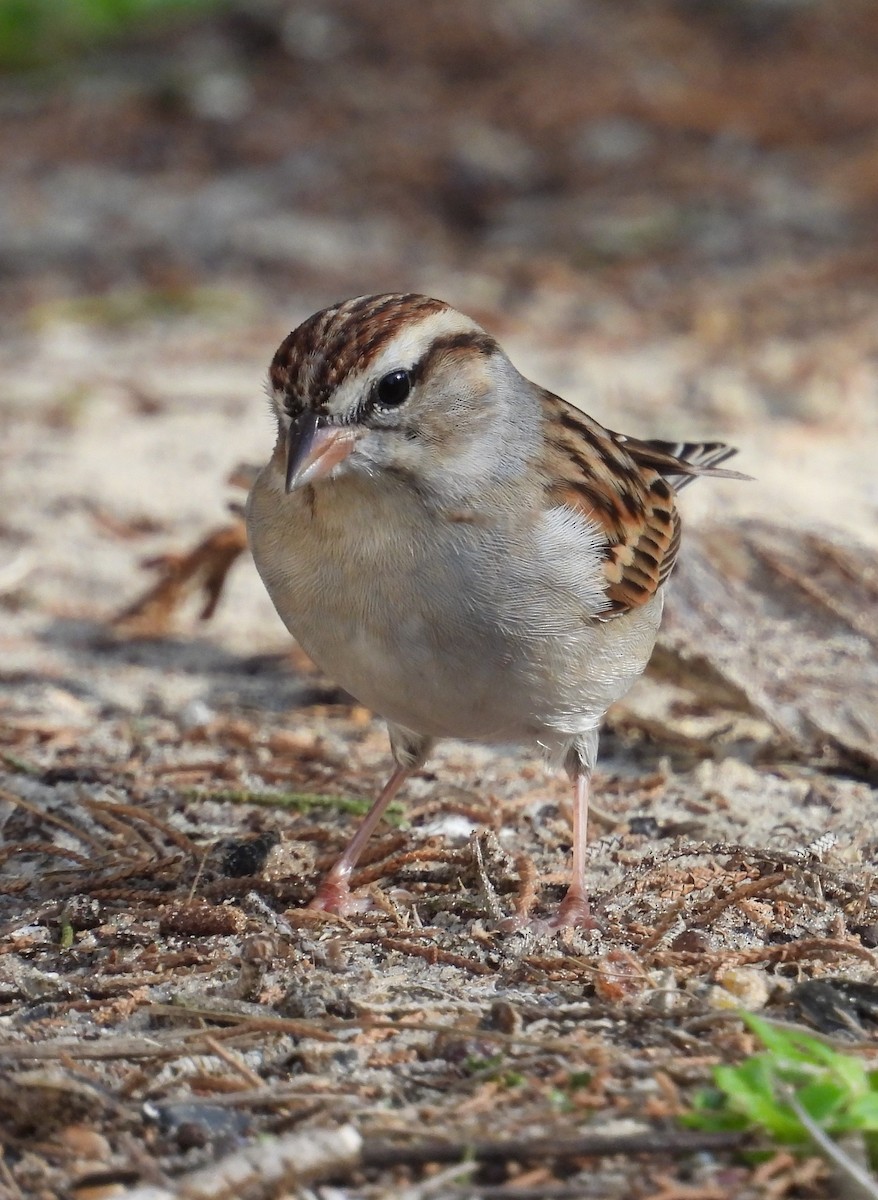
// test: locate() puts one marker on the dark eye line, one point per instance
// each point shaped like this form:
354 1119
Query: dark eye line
474 340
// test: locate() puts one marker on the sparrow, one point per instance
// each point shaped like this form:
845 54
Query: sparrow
464 552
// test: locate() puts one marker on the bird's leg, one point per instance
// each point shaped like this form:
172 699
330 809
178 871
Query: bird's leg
574 910
334 893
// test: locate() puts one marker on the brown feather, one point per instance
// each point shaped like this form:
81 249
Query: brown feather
620 485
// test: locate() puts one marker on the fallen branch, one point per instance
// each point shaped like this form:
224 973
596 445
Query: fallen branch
273 1166
588 1145
270 1167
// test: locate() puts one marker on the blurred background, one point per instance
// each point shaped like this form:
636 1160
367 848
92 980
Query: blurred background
667 210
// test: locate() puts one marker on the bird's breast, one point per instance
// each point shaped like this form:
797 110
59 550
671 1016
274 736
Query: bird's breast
480 630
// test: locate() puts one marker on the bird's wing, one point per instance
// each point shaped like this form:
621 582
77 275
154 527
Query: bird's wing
622 486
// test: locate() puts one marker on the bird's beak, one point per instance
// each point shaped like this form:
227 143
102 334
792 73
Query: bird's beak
314 448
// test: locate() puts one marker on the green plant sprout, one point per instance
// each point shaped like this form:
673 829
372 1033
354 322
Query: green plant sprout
42 32
799 1091
300 801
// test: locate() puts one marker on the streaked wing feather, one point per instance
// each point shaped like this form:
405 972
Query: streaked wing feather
621 485
683 460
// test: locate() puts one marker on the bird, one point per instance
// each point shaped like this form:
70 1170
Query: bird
464 552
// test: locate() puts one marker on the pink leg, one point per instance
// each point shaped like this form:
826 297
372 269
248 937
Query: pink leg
574 910
334 893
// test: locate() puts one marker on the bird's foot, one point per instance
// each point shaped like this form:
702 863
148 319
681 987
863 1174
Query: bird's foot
334 896
573 913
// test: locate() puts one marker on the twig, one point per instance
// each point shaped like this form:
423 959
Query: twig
752 887
790 952
437 1185
136 813
705 1020
234 1061
589 1145
43 815
199 871
383 866
174 1046
487 892
513 1191
174 1043
664 923
47 848
19 765
527 891
280 1095
269 1167
434 955
671 1189
134 844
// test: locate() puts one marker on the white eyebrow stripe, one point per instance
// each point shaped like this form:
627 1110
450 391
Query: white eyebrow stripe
403 351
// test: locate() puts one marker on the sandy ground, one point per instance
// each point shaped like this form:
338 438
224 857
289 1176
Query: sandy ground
167 802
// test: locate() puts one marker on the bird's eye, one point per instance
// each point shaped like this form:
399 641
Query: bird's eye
393 389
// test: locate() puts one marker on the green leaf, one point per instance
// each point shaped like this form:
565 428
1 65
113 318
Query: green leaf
790 1045
796 1078
822 1099
863 1113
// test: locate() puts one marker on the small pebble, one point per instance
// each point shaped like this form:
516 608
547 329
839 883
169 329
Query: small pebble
85 1143
740 987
